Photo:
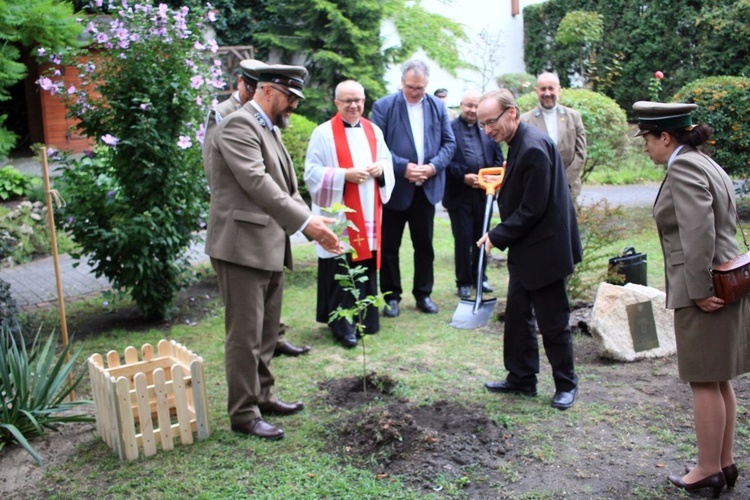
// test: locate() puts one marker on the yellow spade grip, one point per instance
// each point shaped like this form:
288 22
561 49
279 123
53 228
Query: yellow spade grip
491 187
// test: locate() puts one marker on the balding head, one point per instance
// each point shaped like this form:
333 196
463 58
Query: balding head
469 104
547 90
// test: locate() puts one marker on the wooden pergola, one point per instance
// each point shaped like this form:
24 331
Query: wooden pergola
231 56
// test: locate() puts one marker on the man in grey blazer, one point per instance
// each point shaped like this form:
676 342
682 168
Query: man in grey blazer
418 133
564 125
255 208
247 83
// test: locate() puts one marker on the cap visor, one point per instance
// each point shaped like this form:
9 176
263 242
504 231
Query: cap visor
296 92
641 132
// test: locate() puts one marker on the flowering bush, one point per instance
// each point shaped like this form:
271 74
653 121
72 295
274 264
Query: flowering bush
146 79
724 106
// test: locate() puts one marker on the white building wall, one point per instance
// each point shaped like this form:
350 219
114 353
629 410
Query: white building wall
475 15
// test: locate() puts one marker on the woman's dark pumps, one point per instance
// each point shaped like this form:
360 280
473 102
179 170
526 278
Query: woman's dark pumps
731 474
715 481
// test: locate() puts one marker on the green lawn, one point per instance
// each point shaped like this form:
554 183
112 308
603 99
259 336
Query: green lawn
430 361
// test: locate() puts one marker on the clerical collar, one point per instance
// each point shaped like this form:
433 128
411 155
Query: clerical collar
349 125
469 125
550 111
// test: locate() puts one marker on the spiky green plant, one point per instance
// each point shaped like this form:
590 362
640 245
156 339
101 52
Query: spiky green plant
34 387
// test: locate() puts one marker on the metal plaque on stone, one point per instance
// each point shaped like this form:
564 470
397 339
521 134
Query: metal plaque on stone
642 326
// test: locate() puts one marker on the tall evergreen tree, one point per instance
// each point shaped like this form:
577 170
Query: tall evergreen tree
25 25
337 40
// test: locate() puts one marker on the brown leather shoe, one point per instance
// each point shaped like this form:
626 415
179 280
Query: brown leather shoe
290 350
281 408
260 428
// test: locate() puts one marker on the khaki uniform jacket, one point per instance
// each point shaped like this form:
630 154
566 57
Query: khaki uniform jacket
255 204
696 218
571 141
214 117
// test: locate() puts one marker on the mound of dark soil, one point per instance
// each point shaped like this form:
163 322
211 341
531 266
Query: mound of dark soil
428 446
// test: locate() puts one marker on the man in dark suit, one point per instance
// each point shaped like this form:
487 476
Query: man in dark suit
540 231
255 208
464 198
418 133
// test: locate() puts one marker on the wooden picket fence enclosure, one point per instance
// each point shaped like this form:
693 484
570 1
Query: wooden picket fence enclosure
149 401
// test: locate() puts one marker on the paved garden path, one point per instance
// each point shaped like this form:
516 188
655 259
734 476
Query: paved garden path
33 285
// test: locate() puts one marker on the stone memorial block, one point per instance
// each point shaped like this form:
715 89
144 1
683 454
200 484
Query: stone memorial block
631 322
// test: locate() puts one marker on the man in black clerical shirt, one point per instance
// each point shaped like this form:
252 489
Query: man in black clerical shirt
464 198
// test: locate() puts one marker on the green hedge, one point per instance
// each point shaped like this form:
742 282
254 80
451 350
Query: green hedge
685 39
605 123
296 138
725 107
518 83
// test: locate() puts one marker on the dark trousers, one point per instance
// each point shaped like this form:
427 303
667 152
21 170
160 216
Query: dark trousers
521 348
466 224
331 295
421 219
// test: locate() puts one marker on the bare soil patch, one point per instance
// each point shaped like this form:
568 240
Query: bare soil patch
430 446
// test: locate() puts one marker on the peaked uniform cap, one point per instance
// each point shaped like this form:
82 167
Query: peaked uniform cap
250 69
291 77
663 116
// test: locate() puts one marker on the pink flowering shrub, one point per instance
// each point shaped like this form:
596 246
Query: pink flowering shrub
146 79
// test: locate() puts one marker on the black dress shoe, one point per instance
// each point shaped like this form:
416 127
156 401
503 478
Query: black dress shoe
486 288
349 340
715 481
391 309
508 388
289 349
564 399
279 407
427 306
260 428
464 291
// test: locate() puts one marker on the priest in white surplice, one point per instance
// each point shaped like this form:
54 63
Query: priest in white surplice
349 163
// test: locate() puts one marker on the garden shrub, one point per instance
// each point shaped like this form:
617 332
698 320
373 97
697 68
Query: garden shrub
518 83
296 137
134 209
12 183
605 123
600 227
724 105
24 234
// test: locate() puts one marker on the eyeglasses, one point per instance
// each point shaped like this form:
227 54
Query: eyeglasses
491 123
413 88
349 102
290 96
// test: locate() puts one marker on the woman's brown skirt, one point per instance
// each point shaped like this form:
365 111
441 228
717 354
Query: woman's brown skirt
715 346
